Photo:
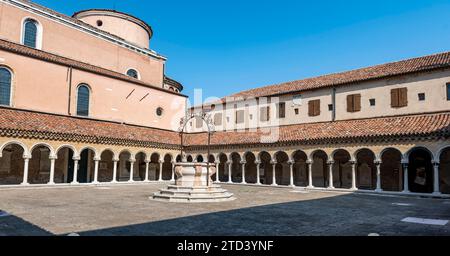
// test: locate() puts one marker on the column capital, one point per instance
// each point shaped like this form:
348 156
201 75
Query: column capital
97 159
330 162
309 161
116 160
435 162
147 161
243 162
377 162
76 158
352 162
161 161
405 162
217 162
291 162
26 157
229 162
53 158
273 162
173 162
257 162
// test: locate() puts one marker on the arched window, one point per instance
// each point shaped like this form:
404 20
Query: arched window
133 73
5 86
83 100
30 33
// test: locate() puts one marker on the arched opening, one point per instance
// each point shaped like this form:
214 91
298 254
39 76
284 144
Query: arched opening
266 169
300 169
420 171
64 166
39 166
250 168
236 168
83 99
86 166
167 167
223 170
179 159
133 73
319 169
11 165
30 33
391 170
444 171
282 169
190 159
106 166
200 159
5 86
342 169
124 168
139 167
366 171
211 161
153 171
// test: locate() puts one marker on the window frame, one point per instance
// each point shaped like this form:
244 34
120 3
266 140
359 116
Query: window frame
89 99
137 73
39 32
11 86
447 87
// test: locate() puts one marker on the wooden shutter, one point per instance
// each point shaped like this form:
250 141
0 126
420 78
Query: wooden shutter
268 113
317 108
282 110
350 103
311 108
357 102
403 97
394 98
314 108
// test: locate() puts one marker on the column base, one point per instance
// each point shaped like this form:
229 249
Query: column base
437 194
310 187
244 183
25 184
378 190
406 191
331 188
274 185
74 183
51 183
95 183
354 189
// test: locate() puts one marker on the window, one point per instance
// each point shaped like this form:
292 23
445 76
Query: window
5 86
133 73
218 119
240 116
296 111
314 108
330 107
30 33
159 111
421 96
281 110
264 114
448 91
83 100
399 97
99 23
372 102
354 103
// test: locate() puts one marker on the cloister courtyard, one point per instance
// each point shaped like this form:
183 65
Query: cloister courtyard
258 211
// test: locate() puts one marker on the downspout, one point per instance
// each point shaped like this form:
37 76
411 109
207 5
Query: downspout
333 101
70 90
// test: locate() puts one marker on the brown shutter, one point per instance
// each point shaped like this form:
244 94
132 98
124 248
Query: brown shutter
357 103
394 98
317 108
282 110
268 113
403 97
350 103
311 108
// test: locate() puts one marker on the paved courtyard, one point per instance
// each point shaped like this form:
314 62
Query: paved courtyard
127 210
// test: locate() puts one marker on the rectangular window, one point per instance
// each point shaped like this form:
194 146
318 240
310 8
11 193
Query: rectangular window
448 91
218 119
354 103
264 114
421 96
399 97
281 110
314 108
240 116
296 111
330 107
372 102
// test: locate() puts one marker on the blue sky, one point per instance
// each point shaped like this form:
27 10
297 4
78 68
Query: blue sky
228 46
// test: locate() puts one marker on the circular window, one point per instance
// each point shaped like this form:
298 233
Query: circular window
99 23
159 111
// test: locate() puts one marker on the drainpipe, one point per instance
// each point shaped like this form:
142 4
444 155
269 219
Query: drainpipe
333 101
70 89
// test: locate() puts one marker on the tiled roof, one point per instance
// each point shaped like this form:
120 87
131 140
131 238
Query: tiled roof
171 82
50 57
421 64
26 124
340 131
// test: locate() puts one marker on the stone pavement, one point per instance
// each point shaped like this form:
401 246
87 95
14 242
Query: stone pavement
127 210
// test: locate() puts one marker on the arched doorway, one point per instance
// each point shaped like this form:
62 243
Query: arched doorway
106 166
282 169
266 169
250 168
11 165
300 169
319 169
420 171
200 159
342 169
444 171
391 170
39 166
64 166
223 168
190 159
167 167
366 171
124 168
236 168
153 172
86 166
139 168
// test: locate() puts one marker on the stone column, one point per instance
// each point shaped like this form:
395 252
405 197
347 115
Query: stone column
378 165
310 179
405 177
26 161
353 163
217 171
243 172
160 170
115 161
274 177
258 172
291 173
230 163
147 163
436 185
96 162
172 179
52 170
132 161
330 175
75 171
